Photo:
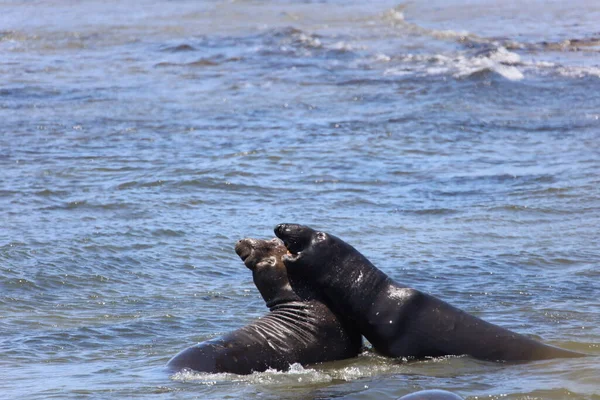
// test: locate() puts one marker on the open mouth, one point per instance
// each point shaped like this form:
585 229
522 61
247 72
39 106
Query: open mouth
244 256
291 256
295 237
243 250
293 253
293 246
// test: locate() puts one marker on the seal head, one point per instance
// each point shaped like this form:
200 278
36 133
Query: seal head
264 259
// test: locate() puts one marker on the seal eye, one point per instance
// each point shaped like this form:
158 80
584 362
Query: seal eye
321 236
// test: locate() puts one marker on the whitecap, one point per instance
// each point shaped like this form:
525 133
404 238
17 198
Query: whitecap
499 61
578 72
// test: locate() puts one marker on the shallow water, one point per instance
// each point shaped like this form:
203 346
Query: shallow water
454 143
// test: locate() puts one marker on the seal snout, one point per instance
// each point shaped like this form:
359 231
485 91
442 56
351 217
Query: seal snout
283 230
243 248
295 237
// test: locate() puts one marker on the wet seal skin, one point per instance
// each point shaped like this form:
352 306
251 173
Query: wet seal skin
431 395
299 328
398 321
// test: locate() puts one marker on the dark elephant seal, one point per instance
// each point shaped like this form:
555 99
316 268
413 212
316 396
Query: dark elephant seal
397 320
299 328
431 395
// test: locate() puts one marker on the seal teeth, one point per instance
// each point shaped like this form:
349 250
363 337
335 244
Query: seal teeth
290 245
292 256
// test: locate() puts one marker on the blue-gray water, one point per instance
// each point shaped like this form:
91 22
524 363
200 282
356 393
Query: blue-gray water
455 143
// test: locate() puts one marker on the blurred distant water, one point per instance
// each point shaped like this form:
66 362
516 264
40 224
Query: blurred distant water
454 143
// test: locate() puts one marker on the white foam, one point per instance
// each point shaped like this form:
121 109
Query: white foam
569 71
294 375
508 72
382 57
469 66
396 14
499 61
450 34
543 64
297 374
366 365
397 72
578 72
309 40
502 55
344 46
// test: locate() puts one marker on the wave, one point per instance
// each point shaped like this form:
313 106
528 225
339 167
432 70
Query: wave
500 61
477 55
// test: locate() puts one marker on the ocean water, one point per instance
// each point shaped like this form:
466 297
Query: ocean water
454 143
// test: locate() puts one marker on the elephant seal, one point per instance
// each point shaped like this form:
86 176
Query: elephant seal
431 395
398 321
299 328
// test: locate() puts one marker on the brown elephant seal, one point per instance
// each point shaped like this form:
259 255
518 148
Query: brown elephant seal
299 328
398 321
431 395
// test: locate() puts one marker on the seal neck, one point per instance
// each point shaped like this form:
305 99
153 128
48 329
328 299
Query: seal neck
347 279
281 301
295 291
354 272
290 305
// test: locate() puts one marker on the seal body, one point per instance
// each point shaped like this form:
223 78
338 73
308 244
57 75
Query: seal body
299 328
431 395
399 321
